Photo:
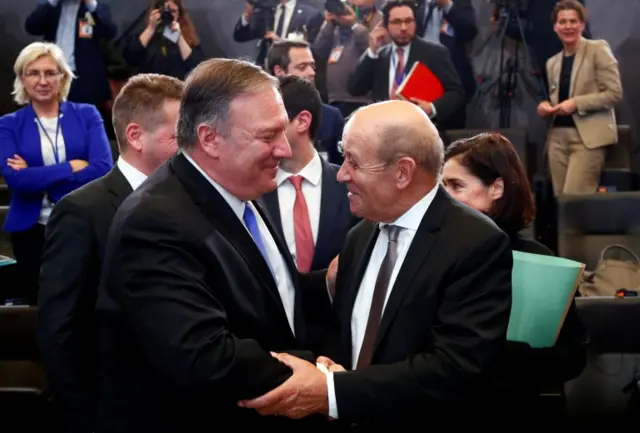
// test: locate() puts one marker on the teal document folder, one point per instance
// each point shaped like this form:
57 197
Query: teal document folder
543 288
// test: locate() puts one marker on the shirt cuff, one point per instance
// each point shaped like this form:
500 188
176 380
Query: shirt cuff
331 392
91 5
326 281
434 112
243 21
371 54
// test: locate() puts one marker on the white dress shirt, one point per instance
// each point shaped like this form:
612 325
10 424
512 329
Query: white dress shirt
50 125
278 265
409 223
134 176
312 191
289 8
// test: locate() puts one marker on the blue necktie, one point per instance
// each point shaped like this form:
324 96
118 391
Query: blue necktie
280 27
250 220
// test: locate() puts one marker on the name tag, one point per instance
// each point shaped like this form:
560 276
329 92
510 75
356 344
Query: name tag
336 53
85 29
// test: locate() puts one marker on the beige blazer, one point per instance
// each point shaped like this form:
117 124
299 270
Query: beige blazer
596 88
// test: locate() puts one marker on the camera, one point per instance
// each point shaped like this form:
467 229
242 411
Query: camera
336 7
264 4
166 17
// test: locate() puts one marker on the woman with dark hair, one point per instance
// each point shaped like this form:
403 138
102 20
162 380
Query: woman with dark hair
169 44
485 173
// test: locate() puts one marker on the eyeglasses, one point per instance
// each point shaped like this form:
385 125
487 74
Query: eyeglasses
407 21
49 75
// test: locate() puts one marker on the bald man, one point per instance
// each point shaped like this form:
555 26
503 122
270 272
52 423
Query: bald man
423 291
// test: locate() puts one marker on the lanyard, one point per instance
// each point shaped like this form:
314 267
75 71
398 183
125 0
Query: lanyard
394 60
54 145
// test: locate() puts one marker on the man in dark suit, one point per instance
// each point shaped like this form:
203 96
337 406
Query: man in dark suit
381 69
423 291
309 208
145 113
296 58
271 25
197 287
78 27
452 24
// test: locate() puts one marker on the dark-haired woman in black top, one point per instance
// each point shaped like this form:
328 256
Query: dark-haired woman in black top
485 173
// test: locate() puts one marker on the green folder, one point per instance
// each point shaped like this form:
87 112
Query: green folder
543 288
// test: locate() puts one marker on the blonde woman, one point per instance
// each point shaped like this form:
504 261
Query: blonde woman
49 148
584 88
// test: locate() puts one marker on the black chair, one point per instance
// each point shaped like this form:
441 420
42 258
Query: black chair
617 173
589 223
24 404
605 394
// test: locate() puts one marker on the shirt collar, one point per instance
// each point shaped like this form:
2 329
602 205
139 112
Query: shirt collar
412 218
134 176
312 172
236 205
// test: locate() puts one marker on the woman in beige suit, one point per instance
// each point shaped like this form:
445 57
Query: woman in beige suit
584 87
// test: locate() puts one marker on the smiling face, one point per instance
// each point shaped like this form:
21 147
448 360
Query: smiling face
251 148
569 27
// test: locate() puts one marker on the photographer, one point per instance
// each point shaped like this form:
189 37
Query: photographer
168 45
343 38
270 20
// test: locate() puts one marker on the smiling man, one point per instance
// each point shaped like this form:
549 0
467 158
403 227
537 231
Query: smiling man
423 290
197 287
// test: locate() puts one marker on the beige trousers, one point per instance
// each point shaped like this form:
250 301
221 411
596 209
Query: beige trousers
574 168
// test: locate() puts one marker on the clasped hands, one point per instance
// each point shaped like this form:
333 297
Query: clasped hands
303 394
565 108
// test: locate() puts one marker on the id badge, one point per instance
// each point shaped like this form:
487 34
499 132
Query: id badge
336 53
85 29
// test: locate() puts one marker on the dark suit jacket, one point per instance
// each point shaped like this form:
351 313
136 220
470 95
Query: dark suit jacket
91 84
305 17
330 132
373 75
462 18
335 217
445 321
76 237
187 313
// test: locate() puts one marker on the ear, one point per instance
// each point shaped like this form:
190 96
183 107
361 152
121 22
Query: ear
496 190
278 71
210 139
134 133
303 121
405 169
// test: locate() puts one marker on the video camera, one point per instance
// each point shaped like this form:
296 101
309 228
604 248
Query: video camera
264 4
336 7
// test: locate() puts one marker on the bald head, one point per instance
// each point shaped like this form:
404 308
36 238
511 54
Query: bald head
397 129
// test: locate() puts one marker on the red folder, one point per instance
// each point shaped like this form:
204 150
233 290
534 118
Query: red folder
420 83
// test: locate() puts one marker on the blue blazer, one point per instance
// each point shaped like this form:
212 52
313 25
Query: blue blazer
84 138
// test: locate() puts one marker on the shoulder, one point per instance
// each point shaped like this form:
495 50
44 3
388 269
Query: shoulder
330 110
86 111
88 197
306 9
600 47
429 47
522 244
10 118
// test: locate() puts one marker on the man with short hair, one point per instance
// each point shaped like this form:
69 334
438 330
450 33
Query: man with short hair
423 291
198 288
295 58
144 117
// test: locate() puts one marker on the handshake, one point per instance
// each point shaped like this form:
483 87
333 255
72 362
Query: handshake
303 394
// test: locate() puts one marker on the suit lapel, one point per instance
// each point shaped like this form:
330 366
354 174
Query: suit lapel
272 205
329 209
417 255
295 24
118 186
385 65
554 74
577 64
219 213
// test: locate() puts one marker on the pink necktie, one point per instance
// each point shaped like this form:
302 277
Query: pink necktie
302 228
397 79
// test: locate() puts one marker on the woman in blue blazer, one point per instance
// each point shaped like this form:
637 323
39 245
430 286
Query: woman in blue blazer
49 148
